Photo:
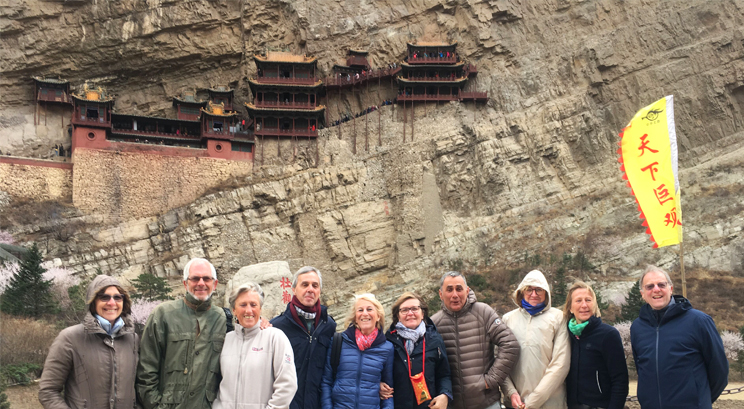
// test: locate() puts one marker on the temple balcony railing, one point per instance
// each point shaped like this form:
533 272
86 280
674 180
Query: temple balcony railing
80 119
432 60
289 81
355 60
64 98
434 79
287 105
353 80
214 134
428 97
286 132
152 133
473 95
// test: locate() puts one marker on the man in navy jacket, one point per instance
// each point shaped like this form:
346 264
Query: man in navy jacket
677 350
309 328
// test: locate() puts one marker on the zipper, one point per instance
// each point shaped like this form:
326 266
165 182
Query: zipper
658 383
359 379
598 386
459 361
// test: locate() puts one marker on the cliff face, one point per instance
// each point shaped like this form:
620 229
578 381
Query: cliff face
533 171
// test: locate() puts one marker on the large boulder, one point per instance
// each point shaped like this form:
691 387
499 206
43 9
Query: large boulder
275 279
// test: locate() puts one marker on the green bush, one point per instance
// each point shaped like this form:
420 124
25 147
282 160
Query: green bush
21 374
151 288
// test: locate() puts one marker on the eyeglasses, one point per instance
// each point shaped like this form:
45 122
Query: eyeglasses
650 287
414 310
538 291
107 297
195 280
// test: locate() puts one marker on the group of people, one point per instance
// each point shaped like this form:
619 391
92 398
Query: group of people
440 54
348 117
192 354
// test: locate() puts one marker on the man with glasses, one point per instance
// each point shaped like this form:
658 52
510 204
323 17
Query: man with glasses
678 353
309 328
179 360
470 330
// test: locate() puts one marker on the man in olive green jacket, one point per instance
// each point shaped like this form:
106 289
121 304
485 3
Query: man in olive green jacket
179 362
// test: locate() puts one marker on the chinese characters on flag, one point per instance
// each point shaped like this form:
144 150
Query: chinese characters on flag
648 153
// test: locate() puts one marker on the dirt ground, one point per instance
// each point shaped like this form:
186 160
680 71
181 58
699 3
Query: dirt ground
26 397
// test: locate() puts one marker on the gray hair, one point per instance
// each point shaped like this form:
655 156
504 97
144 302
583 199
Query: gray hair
452 274
305 270
246 288
654 269
197 259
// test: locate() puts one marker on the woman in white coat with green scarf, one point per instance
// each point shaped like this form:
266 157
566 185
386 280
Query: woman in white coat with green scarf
538 379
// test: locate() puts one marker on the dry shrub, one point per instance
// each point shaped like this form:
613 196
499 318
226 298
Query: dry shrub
25 340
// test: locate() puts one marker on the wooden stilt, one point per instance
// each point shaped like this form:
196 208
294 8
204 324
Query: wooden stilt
413 114
404 121
353 120
379 127
366 132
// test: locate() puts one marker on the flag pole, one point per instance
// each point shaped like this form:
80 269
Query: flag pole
682 268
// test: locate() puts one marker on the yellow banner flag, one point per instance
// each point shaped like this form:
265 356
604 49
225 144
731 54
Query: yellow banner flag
648 157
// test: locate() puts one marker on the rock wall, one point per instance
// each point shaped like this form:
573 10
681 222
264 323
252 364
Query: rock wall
36 180
125 185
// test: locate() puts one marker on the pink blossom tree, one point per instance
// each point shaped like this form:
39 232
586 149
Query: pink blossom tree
732 344
624 329
6 238
141 309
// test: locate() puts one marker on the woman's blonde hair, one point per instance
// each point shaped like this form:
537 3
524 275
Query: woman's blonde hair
351 316
569 299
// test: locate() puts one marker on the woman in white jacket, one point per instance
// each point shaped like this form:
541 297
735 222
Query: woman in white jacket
258 369
538 379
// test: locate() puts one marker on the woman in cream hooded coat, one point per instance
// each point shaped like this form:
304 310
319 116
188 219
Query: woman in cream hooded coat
538 379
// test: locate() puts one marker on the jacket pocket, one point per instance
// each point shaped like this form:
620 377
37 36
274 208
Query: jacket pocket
177 352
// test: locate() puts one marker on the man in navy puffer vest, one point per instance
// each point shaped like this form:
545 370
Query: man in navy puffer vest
677 350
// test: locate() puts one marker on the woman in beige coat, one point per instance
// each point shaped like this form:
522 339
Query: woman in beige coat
538 379
95 361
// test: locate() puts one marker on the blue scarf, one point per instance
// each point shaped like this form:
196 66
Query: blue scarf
106 325
411 336
532 309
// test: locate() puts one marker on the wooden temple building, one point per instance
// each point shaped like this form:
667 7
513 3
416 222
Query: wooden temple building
434 72
50 91
199 124
285 97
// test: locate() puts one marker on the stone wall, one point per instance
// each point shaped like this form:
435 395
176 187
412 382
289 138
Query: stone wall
36 180
127 185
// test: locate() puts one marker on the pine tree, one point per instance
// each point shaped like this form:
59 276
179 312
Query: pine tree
150 287
28 294
558 297
633 303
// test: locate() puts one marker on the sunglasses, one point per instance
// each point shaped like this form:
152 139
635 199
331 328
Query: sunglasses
195 280
107 297
650 287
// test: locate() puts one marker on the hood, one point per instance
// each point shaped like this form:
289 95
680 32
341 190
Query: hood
97 284
534 278
89 321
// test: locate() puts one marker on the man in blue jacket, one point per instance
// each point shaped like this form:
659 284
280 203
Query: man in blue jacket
309 329
677 350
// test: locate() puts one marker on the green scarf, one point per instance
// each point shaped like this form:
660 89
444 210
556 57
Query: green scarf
575 328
